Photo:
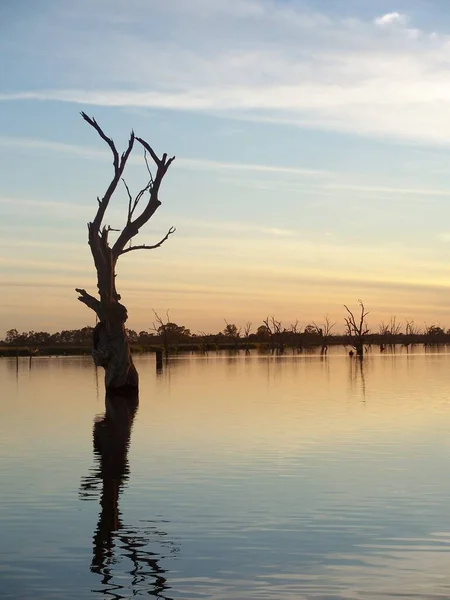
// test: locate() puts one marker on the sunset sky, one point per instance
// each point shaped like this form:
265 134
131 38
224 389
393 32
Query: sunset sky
313 158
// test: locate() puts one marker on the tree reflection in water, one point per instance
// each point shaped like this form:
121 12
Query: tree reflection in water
114 541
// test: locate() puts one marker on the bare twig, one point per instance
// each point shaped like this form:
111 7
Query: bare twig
146 247
148 166
130 199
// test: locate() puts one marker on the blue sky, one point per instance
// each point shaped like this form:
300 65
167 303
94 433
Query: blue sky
312 143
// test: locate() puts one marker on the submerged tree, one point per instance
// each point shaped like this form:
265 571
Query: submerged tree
111 347
324 330
356 328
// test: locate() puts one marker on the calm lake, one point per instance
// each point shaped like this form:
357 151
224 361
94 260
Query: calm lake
245 478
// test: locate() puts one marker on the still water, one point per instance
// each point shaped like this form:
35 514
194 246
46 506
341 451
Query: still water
236 478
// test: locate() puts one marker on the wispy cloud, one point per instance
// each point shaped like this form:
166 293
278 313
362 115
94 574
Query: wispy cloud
88 153
254 59
390 19
199 163
35 145
230 227
316 180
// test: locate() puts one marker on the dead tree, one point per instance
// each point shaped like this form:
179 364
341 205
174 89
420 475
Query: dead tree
203 336
411 329
296 340
389 332
324 330
356 328
247 330
391 328
277 334
111 347
161 328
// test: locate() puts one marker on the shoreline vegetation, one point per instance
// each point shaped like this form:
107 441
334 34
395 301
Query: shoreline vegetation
170 339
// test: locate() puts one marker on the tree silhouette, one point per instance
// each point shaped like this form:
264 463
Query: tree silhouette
111 347
356 328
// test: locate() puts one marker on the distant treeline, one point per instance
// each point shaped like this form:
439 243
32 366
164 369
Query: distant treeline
270 336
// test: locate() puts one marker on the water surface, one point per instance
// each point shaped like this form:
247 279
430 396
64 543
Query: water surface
237 477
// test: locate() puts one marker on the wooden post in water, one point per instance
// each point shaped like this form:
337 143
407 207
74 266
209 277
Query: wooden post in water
159 359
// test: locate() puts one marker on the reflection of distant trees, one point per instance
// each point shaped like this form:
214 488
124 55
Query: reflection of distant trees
114 542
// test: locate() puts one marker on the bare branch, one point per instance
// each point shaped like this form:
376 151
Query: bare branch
325 329
146 247
149 150
160 162
119 165
132 227
89 300
158 320
108 140
139 196
130 199
412 328
294 327
148 166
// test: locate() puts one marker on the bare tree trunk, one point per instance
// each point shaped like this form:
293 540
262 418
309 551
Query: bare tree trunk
112 351
111 348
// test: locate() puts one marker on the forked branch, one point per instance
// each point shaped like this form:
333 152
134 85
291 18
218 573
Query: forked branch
133 226
119 166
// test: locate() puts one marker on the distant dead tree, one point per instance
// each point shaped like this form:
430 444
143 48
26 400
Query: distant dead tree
295 337
277 334
356 328
411 332
160 327
111 347
203 336
324 330
412 328
247 330
391 328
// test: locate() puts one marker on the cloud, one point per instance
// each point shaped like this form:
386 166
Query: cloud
244 59
230 227
257 60
37 145
319 180
390 19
